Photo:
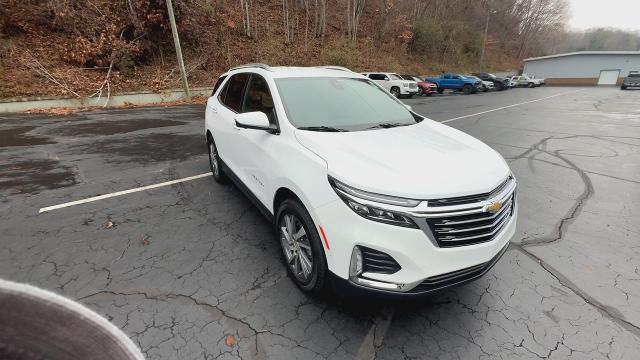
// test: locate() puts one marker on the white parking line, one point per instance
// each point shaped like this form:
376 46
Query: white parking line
510 106
124 192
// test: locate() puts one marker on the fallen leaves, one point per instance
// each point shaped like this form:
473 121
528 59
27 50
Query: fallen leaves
144 240
230 340
108 224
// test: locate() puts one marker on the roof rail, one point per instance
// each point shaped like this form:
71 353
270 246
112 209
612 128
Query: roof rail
252 65
333 67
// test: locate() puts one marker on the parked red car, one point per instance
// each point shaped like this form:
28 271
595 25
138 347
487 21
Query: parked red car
424 87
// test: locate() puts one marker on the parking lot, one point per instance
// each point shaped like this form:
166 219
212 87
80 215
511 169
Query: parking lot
192 270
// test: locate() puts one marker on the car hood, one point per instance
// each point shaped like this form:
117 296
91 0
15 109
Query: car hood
423 161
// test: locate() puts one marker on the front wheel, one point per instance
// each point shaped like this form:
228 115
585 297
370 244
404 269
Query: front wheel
623 87
395 91
467 89
440 90
530 85
214 162
302 248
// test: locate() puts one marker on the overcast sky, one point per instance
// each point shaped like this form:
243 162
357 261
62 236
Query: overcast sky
622 14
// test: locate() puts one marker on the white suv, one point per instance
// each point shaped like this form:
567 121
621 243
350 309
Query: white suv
394 83
360 189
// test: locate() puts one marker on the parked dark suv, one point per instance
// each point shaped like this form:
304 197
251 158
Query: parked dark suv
498 82
632 80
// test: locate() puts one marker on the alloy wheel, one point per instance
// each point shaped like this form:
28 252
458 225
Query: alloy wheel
296 247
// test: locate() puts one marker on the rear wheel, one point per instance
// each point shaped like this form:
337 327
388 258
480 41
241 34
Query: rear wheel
395 91
302 247
623 87
214 162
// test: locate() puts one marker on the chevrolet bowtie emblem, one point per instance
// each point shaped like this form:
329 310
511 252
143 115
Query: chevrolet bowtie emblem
494 207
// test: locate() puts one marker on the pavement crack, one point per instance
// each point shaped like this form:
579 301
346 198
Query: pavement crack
607 311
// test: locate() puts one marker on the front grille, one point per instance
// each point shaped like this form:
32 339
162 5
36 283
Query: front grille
413 86
456 277
452 230
378 262
471 198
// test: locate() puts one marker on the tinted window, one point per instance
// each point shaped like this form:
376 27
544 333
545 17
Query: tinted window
377 76
258 98
231 95
217 85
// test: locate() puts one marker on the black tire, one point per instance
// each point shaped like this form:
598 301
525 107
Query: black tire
623 87
499 86
395 91
214 162
440 90
318 280
467 89
429 94
531 85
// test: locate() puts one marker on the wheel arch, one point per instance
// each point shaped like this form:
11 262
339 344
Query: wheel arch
281 195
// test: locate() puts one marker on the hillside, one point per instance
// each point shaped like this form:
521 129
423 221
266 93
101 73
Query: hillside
94 47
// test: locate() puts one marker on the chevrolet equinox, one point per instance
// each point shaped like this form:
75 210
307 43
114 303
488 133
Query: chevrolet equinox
361 190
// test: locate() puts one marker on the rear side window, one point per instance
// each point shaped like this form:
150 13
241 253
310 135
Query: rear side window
231 95
377 76
217 85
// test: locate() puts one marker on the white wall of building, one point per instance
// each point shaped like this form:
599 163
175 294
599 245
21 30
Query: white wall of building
581 65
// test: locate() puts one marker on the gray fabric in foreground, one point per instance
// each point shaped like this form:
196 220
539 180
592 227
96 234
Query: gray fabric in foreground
38 324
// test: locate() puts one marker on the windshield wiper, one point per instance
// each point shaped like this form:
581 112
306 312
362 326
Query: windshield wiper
387 125
322 128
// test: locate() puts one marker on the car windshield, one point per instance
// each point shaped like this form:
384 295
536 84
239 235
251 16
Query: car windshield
340 104
394 77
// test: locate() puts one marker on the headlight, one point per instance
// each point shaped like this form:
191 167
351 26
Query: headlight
351 195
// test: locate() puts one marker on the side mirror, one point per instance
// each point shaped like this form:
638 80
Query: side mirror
256 120
386 78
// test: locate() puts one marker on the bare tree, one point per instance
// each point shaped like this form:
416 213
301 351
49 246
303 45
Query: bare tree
245 7
354 11
320 18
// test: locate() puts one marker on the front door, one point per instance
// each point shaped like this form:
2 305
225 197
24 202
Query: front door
257 145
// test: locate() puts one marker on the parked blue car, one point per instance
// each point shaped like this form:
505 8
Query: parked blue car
455 82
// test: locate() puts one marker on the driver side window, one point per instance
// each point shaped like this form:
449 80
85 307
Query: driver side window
258 98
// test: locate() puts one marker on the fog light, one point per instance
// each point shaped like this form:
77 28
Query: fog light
355 268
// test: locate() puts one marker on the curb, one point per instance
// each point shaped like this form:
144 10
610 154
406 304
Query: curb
134 98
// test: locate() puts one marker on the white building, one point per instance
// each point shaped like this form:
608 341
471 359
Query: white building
584 67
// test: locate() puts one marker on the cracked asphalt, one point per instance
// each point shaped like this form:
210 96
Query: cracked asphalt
183 267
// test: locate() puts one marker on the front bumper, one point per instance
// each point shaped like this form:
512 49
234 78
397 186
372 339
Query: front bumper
421 259
408 91
429 89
